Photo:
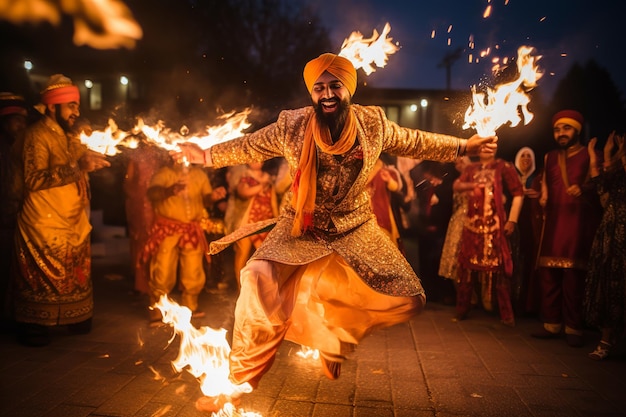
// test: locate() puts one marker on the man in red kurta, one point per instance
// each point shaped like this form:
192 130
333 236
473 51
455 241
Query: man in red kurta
571 210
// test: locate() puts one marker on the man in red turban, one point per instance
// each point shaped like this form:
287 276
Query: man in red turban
326 275
571 217
53 286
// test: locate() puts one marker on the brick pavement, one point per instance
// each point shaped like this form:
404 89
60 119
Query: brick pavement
427 367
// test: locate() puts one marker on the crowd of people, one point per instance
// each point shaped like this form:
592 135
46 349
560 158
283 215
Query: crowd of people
317 208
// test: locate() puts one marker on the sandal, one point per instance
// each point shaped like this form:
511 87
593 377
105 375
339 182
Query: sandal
601 352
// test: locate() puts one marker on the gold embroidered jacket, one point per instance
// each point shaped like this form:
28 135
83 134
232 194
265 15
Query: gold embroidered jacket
346 226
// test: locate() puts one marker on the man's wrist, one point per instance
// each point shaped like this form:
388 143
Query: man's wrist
208 160
462 149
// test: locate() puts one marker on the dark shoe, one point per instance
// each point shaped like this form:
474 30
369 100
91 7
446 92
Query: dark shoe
508 322
34 335
601 353
459 317
544 334
82 327
574 340
332 369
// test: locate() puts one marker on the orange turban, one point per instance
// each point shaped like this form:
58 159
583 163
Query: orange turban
60 90
337 65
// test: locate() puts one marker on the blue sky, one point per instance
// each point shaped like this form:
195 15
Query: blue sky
563 32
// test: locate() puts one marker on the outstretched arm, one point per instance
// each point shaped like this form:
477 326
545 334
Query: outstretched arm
193 153
474 145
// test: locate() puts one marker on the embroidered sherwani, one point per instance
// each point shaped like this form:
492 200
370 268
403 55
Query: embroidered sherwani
570 224
52 239
333 285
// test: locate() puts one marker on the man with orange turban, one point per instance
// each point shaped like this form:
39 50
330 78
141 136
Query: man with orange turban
53 284
326 275
572 214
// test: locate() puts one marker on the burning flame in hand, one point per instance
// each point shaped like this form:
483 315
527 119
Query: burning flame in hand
231 125
363 52
500 105
204 354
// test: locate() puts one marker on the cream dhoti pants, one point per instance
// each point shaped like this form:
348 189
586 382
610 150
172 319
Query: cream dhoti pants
323 305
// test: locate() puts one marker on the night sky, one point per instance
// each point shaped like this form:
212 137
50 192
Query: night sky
563 32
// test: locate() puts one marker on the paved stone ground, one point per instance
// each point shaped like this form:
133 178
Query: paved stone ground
429 366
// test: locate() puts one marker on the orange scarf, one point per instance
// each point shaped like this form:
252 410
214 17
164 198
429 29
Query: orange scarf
305 182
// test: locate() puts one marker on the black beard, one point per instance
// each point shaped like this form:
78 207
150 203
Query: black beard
571 142
65 124
335 121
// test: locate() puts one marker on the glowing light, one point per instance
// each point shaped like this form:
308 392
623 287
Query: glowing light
432 34
365 52
413 107
28 65
124 80
306 352
487 12
504 103
424 103
101 24
88 83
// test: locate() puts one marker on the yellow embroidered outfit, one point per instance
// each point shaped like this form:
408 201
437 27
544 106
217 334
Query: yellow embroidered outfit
53 249
342 278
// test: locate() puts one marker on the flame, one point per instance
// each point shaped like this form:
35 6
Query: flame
306 352
487 12
204 354
504 103
363 52
105 141
101 24
230 126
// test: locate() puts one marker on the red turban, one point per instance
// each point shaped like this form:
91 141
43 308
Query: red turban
12 104
59 90
336 65
58 94
570 117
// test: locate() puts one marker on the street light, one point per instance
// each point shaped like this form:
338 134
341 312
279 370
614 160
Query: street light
28 65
